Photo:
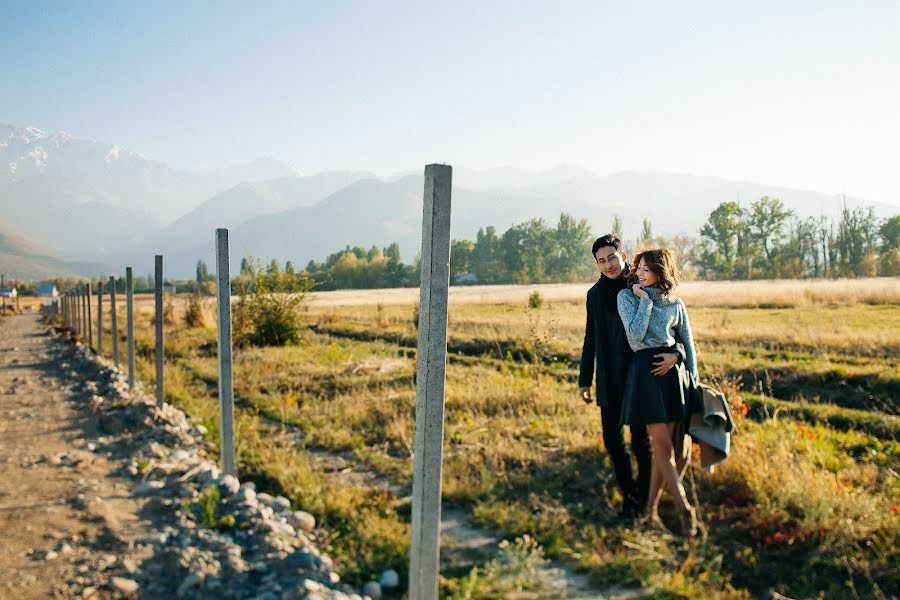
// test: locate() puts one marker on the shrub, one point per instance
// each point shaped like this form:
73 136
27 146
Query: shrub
535 300
266 313
194 314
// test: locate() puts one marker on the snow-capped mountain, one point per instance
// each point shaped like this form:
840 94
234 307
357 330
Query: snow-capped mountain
125 179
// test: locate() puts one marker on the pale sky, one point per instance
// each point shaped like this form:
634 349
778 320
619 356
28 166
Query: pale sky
800 94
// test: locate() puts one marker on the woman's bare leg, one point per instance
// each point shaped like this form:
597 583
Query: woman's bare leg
664 462
656 483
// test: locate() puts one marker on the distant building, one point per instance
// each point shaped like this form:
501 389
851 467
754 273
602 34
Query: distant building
466 279
48 291
168 287
9 292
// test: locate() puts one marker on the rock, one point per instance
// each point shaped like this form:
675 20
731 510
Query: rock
302 560
50 555
126 587
334 578
265 498
302 520
89 592
326 562
111 424
228 485
148 488
389 579
280 504
245 495
190 582
372 589
65 548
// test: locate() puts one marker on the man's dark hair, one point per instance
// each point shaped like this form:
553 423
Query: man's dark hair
607 240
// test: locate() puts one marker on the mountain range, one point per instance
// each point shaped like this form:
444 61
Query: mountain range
85 200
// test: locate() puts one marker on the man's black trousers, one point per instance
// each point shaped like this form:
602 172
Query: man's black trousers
634 490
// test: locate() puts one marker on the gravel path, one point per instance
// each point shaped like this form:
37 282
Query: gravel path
52 538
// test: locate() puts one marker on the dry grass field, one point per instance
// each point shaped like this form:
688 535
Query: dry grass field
807 505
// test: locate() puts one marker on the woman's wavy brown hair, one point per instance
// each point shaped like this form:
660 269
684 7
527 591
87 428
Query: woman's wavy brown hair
661 262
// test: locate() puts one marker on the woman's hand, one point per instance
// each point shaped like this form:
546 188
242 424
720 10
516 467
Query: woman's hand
638 291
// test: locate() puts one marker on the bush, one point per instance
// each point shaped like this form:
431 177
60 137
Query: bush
535 300
266 313
194 314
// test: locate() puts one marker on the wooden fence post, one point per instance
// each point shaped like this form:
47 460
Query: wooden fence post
431 355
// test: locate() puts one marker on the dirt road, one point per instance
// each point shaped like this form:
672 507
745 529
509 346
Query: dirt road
64 515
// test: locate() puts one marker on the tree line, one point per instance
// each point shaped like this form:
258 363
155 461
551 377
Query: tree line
767 241
764 240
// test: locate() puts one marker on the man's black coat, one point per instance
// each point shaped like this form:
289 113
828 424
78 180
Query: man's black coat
606 352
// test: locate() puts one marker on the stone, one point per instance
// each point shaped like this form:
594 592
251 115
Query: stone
372 589
302 520
245 495
389 579
126 587
190 582
228 485
148 488
265 498
302 560
280 503
50 555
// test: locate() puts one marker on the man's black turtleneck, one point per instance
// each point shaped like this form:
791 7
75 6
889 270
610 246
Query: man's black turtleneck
617 353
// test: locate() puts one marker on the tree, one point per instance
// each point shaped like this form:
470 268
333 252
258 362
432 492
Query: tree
202 272
856 240
289 268
646 238
721 229
766 219
392 253
273 267
616 228
890 234
247 266
486 260
461 252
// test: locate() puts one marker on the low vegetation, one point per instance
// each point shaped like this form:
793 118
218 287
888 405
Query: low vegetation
807 505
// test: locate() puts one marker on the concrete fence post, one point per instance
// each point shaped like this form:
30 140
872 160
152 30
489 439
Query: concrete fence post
79 308
87 309
100 317
431 355
85 326
226 387
129 318
160 355
114 321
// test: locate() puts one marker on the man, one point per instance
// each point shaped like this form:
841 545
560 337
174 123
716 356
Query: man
606 352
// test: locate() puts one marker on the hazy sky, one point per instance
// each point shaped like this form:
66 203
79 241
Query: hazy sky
803 94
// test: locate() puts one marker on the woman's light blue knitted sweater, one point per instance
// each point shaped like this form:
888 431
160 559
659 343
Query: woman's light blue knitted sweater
656 322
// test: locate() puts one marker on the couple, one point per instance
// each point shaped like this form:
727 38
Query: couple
638 341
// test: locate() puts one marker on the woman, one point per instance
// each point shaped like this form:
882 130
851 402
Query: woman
654 322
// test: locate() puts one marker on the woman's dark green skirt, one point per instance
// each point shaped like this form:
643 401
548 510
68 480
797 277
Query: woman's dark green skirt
649 398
